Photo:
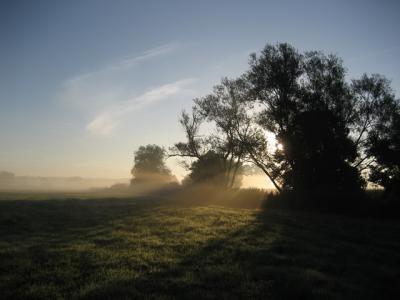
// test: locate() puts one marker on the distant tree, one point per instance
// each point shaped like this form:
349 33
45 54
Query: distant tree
7 179
149 165
4 175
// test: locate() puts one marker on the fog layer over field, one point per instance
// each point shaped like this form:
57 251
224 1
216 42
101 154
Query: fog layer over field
9 181
12 182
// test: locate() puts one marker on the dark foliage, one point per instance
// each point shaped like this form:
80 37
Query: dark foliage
319 154
332 135
384 145
212 169
150 166
309 109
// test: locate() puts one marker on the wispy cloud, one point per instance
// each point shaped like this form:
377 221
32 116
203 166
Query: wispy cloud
106 93
105 122
124 64
111 83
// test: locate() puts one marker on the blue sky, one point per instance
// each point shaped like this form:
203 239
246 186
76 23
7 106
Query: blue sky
84 83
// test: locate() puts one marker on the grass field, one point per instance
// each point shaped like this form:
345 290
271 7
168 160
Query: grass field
117 248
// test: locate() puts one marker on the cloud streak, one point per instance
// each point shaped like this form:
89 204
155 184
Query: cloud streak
105 122
106 92
94 90
124 64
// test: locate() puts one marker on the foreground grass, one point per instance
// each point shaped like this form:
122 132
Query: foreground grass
152 248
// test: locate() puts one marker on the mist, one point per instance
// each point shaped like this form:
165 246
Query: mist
12 182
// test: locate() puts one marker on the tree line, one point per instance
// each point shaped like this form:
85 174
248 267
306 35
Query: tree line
331 134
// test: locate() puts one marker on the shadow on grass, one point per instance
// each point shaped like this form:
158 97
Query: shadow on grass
90 249
43 217
279 255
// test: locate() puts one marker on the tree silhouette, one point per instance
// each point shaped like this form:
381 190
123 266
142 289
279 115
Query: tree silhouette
223 110
330 132
212 169
375 108
320 154
384 145
308 106
149 166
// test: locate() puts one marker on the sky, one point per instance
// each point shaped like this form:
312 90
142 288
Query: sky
85 83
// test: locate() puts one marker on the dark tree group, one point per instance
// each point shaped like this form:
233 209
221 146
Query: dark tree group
149 166
330 133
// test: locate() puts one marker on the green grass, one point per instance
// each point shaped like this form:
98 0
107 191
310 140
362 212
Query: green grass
156 249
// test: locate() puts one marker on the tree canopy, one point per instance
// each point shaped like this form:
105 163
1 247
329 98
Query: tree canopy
332 133
149 165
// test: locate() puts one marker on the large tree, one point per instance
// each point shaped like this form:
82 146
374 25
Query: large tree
308 106
325 126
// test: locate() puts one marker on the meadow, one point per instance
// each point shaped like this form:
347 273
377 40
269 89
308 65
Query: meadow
77 246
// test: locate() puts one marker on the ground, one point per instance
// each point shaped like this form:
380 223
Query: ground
154 248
